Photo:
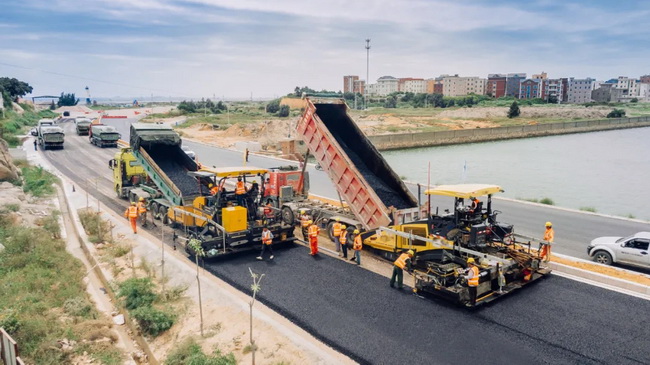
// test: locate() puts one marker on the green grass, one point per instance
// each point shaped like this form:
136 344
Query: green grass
588 209
12 207
97 229
38 182
547 201
189 352
138 297
39 282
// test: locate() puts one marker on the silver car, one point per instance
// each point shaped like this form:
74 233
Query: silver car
632 250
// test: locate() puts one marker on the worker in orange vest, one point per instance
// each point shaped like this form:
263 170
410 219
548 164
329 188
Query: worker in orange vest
240 191
214 190
313 238
549 236
268 213
402 262
357 245
336 232
267 240
343 240
472 277
142 211
132 214
304 223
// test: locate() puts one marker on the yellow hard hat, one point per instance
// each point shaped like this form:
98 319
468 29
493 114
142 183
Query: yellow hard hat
211 185
337 219
343 226
549 224
410 252
132 203
356 231
302 211
310 221
141 199
470 260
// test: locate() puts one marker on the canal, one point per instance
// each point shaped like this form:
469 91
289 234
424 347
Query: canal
607 172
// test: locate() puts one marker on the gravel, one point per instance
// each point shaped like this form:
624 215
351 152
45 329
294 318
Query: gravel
353 310
171 159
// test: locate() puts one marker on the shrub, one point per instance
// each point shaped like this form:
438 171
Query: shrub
38 181
284 111
153 321
616 113
547 201
137 293
97 229
77 306
9 321
189 352
514 110
273 106
588 209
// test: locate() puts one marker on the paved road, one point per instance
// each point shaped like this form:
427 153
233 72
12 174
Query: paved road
553 321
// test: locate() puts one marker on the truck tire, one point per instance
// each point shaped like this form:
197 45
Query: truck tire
288 216
603 257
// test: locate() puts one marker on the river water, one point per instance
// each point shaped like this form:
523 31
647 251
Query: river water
608 171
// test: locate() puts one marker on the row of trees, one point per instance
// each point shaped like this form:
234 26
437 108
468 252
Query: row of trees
432 100
201 106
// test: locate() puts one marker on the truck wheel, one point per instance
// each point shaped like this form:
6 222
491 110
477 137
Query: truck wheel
603 257
287 216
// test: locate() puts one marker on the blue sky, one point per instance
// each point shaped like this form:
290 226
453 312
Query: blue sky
233 48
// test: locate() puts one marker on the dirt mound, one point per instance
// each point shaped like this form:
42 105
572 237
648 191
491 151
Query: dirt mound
201 127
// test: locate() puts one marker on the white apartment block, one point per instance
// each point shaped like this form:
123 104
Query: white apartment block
385 85
644 91
579 90
416 86
627 83
461 86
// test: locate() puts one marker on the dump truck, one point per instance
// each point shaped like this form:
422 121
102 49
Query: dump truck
392 220
50 135
103 135
82 126
156 168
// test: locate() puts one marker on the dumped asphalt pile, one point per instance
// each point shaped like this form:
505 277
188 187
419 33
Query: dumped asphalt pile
369 164
353 310
171 160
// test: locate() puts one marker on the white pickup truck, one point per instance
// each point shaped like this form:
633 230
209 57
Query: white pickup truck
632 250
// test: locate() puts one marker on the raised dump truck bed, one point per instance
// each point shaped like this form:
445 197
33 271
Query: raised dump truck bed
359 172
158 148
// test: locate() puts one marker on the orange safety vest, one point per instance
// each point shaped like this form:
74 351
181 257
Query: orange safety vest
358 245
142 207
304 219
473 281
336 229
268 211
267 237
401 261
241 188
549 235
343 238
313 230
132 212
214 190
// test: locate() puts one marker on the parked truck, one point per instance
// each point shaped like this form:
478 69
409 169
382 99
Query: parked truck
49 135
156 168
82 126
103 135
393 220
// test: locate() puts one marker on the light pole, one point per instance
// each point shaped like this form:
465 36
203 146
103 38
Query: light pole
365 88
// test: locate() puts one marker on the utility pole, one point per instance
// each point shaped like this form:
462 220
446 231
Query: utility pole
365 89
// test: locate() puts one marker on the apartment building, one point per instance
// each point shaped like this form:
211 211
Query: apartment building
496 85
530 89
461 86
645 79
385 85
348 83
513 83
553 89
626 83
579 91
412 85
608 92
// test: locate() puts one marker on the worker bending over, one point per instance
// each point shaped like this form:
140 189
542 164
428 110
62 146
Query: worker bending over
267 240
357 245
131 214
343 239
402 262
549 236
472 280
142 211
313 238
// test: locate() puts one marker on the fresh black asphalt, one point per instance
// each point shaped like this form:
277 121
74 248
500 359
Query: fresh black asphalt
553 321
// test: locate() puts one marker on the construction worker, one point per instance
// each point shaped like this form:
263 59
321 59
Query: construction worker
336 232
475 206
343 239
240 191
268 213
402 262
357 245
142 211
214 190
313 238
132 214
267 240
549 236
472 280
304 223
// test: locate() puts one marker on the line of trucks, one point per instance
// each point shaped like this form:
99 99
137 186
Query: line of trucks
49 135
376 201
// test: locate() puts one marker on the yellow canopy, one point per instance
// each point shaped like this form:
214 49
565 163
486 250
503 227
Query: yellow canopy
464 190
235 171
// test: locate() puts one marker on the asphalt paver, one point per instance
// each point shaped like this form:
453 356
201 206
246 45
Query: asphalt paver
554 321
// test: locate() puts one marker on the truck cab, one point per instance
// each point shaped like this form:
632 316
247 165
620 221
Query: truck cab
127 172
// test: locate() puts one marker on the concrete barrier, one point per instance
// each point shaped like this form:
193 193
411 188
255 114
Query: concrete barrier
426 139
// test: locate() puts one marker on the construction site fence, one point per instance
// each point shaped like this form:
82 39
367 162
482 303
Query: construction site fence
425 139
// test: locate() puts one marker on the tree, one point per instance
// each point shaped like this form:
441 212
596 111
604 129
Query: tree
273 106
634 100
14 87
284 111
551 99
187 106
391 102
616 113
514 110
52 106
67 100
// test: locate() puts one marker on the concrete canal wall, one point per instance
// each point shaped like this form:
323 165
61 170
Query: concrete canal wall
425 139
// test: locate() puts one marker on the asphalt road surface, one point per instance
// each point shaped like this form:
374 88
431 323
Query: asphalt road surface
554 321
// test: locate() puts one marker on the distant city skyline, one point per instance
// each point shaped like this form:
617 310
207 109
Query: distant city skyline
228 48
